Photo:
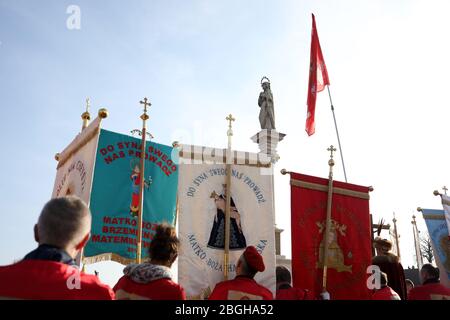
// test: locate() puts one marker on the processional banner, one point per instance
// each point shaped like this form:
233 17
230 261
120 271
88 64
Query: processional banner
349 252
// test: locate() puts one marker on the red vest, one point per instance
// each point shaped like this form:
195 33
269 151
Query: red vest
161 289
293 294
431 291
240 288
42 279
385 293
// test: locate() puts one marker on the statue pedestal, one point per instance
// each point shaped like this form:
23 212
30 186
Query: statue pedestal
267 141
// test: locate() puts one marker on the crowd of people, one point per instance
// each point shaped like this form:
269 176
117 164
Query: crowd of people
63 229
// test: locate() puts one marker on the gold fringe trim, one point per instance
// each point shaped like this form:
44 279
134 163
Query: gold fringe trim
319 187
108 257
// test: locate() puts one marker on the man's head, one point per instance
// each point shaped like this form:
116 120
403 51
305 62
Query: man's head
429 272
250 263
283 276
64 223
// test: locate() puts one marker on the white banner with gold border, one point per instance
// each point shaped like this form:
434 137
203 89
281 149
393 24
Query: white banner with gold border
76 164
201 196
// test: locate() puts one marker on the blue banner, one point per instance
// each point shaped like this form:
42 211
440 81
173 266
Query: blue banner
438 231
114 199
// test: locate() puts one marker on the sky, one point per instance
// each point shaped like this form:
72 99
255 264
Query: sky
198 61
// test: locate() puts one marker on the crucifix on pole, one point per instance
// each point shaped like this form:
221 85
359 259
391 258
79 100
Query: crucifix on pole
144 118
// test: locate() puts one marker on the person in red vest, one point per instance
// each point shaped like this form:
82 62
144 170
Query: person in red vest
431 288
385 292
153 279
50 271
244 287
284 289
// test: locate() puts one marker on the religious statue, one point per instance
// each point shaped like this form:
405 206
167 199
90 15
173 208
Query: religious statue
265 102
217 236
335 256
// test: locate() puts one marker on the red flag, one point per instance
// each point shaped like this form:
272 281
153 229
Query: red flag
318 77
349 252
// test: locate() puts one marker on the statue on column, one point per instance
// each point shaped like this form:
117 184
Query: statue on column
265 102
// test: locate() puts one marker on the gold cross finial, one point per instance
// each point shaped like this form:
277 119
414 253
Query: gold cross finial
230 120
331 149
445 189
88 104
145 103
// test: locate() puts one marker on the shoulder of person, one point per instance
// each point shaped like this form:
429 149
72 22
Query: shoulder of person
92 285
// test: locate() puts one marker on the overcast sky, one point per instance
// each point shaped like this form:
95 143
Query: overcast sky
198 61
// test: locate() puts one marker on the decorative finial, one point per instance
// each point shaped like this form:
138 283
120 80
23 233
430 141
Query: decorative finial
88 104
394 220
445 189
103 113
436 193
145 103
331 161
86 116
230 128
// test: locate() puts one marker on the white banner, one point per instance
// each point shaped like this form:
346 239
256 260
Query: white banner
446 205
201 196
76 164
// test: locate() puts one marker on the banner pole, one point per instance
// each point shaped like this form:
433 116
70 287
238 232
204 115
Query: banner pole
226 259
144 118
394 220
328 220
337 133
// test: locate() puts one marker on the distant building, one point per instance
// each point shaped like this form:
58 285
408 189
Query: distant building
280 259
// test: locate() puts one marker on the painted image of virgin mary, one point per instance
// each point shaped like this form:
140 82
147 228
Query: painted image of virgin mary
217 236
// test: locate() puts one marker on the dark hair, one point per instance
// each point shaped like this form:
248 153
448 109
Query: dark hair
283 274
383 279
432 271
165 243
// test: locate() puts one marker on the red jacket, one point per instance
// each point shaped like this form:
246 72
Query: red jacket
240 288
385 293
293 294
42 279
161 289
430 291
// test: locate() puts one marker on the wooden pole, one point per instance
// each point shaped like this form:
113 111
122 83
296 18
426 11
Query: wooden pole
328 221
226 260
144 118
396 236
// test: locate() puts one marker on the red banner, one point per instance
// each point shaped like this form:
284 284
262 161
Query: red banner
349 252
318 78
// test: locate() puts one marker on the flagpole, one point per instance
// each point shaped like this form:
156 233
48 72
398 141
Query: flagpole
328 220
226 259
396 236
144 118
416 243
337 133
